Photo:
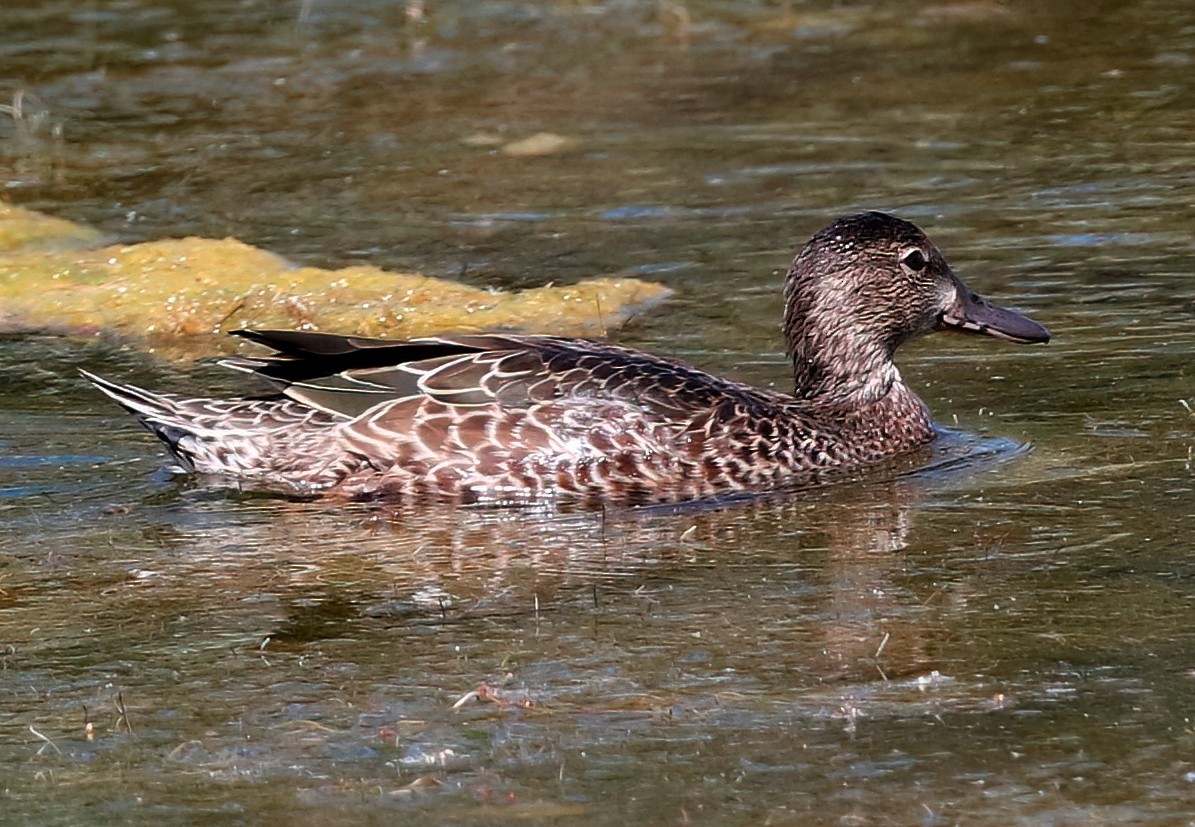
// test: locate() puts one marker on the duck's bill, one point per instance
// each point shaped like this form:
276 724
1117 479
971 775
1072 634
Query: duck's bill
973 313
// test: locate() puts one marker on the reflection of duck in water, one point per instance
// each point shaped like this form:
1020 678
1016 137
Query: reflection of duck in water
824 581
498 418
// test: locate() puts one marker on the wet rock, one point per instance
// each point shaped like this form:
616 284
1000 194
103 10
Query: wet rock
541 143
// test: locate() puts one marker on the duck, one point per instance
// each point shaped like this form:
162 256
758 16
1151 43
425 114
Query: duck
502 418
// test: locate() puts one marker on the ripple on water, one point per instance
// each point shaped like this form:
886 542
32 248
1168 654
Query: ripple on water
985 634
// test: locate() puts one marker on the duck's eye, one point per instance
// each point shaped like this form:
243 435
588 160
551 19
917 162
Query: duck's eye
914 259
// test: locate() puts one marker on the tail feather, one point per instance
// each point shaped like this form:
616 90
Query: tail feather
135 400
159 414
279 440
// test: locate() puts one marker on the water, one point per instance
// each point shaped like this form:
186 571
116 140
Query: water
1002 638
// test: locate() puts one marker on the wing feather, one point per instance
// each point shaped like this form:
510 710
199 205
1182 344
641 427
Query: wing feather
355 377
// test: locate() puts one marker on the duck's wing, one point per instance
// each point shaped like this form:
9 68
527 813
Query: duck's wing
349 376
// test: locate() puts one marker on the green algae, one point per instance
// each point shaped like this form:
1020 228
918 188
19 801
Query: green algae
23 229
177 293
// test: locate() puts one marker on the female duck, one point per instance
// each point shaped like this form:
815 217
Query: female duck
499 418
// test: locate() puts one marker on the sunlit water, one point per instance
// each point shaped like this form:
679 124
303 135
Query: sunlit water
997 635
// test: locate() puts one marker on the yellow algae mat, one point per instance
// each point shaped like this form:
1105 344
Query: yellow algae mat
179 292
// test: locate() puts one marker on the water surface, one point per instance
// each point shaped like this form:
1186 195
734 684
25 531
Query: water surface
1004 637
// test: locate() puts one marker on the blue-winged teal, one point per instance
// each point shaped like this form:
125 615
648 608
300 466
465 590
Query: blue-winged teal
505 418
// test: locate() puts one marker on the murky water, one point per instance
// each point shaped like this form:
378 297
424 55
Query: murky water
1004 637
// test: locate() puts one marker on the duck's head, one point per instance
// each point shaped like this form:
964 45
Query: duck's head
865 285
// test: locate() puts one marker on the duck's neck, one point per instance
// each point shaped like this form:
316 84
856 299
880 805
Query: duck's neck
850 377
840 344
836 365
859 397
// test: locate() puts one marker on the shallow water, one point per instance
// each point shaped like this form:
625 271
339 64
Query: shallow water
1004 637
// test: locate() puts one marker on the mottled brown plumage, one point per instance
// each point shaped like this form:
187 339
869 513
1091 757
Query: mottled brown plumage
505 418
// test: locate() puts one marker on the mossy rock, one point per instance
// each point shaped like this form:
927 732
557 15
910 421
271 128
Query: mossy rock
178 292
